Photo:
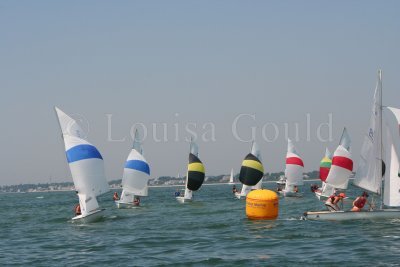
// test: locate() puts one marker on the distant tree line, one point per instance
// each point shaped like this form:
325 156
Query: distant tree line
159 181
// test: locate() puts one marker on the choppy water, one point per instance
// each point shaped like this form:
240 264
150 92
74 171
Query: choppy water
36 230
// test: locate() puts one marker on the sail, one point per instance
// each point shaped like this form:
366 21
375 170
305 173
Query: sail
137 144
196 173
325 165
252 170
136 174
85 163
231 177
391 196
294 166
368 175
255 150
345 140
327 190
341 169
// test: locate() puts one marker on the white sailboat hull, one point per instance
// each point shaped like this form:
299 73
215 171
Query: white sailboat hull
124 205
92 216
319 194
290 194
239 195
183 199
352 215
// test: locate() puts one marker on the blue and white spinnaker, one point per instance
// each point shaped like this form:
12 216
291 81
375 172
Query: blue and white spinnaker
85 163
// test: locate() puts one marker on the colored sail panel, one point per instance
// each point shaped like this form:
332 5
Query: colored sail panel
341 169
325 165
136 174
251 171
87 167
196 173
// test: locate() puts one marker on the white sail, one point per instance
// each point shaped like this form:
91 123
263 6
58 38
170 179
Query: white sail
327 190
369 171
328 154
391 195
341 169
345 140
255 150
85 162
194 149
231 177
137 144
136 173
294 167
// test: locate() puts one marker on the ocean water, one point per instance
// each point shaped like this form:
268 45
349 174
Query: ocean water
36 230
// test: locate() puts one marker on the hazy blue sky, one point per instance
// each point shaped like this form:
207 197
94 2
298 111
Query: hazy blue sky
180 62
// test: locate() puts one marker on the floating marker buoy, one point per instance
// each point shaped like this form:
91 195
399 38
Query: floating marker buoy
262 204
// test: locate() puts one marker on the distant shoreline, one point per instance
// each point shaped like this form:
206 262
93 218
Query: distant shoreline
150 186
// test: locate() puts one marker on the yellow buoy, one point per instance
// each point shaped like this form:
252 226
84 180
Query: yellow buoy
262 204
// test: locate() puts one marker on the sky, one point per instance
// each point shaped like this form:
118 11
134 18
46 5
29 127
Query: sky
220 69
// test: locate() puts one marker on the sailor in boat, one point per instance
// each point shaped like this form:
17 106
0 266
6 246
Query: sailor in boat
177 193
332 202
234 189
77 210
314 188
136 201
360 202
115 196
295 189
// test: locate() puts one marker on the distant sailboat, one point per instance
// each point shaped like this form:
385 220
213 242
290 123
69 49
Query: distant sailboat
293 171
136 176
87 168
231 182
378 145
195 174
342 166
251 172
325 165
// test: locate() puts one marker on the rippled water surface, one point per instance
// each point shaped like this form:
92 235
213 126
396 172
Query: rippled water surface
36 229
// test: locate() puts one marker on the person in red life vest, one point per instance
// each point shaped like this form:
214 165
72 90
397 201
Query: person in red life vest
115 196
136 201
360 202
77 210
333 201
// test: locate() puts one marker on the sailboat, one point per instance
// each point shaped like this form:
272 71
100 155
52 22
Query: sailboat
325 165
251 172
293 172
341 168
231 182
136 176
195 174
86 166
379 146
